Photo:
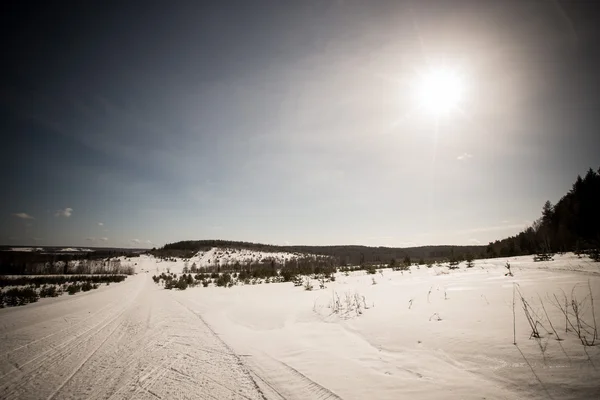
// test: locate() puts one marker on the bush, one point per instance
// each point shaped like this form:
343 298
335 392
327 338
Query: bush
48 291
73 288
182 283
307 285
287 274
86 286
543 257
20 296
58 279
223 280
297 280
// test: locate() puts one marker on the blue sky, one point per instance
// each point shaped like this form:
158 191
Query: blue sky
290 122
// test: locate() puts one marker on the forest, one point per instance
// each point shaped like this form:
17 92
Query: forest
572 224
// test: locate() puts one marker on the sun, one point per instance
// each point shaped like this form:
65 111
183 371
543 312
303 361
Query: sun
439 91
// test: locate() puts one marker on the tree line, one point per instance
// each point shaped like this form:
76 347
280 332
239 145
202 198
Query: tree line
342 254
572 224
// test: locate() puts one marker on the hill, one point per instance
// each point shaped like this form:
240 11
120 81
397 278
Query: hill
344 254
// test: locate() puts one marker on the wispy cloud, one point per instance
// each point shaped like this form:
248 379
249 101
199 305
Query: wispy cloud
23 216
104 239
136 241
464 156
100 223
149 242
474 241
67 212
90 239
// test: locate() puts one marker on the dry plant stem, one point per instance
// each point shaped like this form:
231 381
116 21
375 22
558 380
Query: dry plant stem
548 318
593 311
528 313
566 308
514 318
579 326
555 332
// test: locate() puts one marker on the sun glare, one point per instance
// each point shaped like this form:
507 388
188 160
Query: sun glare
440 91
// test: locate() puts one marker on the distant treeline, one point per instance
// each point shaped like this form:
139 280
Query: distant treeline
37 263
58 279
343 255
573 224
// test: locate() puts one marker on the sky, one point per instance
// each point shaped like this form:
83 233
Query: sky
290 122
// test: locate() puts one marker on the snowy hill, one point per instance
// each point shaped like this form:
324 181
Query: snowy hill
221 256
228 256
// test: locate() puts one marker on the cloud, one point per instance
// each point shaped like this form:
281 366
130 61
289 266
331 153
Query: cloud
136 241
149 242
23 216
104 239
474 241
90 239
100 223
64 213
36 239
464 156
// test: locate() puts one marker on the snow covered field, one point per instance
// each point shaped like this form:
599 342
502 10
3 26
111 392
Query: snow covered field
427 334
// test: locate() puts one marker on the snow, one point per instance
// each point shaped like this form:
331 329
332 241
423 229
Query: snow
427 334
74 250
214 256
65 250
224 256
26 249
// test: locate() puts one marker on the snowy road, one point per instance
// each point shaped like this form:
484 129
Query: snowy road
126 341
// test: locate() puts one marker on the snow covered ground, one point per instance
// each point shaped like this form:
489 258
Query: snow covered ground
427 334
26 249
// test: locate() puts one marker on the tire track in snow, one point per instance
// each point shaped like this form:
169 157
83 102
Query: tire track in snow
55 360
54 349
15 360
26 345
239 362
321 391
62 355
286 381
279 377
146 345
82 363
